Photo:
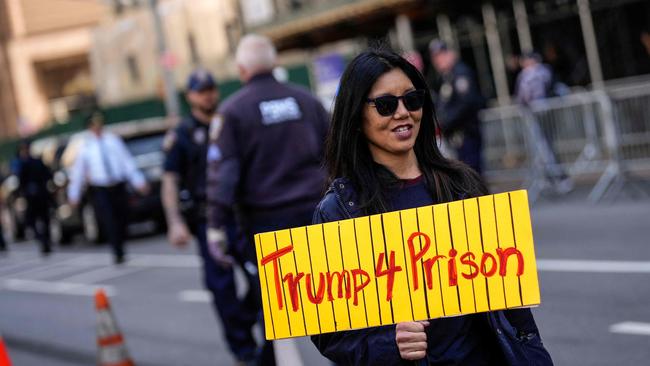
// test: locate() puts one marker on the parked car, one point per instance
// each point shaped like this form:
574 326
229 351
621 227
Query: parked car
144 141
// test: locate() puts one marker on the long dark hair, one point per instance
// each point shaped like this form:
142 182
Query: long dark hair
347 153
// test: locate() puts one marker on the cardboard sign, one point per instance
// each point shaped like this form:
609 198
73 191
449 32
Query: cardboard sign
461 257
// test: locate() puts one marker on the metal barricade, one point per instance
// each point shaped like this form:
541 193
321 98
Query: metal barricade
632 110
587 133
505 152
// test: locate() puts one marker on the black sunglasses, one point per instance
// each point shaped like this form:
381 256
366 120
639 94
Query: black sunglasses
386 105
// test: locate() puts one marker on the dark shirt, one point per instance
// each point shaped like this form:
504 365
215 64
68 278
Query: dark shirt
33 176
186 156
411 193
462 340
267 156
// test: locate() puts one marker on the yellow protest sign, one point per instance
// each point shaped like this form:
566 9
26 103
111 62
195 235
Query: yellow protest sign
461 257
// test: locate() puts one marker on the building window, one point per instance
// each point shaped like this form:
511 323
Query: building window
134 70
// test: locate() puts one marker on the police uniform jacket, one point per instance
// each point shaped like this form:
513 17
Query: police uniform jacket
186 148
266 152
459 101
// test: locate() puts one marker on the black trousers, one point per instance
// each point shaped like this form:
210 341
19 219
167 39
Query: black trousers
237 315
111 211
38 218
3 244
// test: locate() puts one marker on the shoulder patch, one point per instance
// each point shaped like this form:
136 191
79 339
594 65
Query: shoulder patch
170 140
446 91
199 136
215 127
462 85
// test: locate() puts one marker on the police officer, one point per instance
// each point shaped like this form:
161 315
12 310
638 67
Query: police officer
266 159
183 196
458 102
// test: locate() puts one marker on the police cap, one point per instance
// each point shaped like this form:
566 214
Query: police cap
437 45
201 79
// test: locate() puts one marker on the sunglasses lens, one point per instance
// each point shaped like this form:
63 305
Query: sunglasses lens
386 105
414 100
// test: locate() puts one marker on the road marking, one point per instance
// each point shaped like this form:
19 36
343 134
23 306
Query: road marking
20 266
635 328
48 273
100 274
193 261
164 260
595 266
141 260
195 296
64 288
286 352
31 270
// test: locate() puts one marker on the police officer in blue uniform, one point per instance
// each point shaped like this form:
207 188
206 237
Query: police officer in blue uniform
458 101
183 195
265 159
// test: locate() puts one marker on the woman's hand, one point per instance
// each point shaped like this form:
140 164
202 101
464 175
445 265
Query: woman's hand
411 340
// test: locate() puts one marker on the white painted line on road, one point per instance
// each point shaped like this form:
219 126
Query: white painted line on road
45 273
60 288
164 260
19 266
30 271
91 260
286 352
566 265
13 254
635 328
195 296
141 260
44 269
100 274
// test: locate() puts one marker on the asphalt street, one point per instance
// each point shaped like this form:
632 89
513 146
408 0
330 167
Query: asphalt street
593 261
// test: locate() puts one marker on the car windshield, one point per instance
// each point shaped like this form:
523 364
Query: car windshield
145 144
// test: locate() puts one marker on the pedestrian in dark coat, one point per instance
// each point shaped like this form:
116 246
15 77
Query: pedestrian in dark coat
33 176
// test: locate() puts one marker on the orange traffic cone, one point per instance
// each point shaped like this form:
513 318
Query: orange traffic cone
111 349
4 356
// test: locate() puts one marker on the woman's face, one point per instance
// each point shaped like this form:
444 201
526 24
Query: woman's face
394 135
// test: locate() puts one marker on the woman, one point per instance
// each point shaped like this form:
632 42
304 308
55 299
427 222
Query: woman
382 156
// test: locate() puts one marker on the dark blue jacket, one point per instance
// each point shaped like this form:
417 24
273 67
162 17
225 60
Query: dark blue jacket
268 152
515 330
458 102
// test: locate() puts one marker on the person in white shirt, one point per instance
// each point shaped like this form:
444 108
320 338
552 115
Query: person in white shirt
104 164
